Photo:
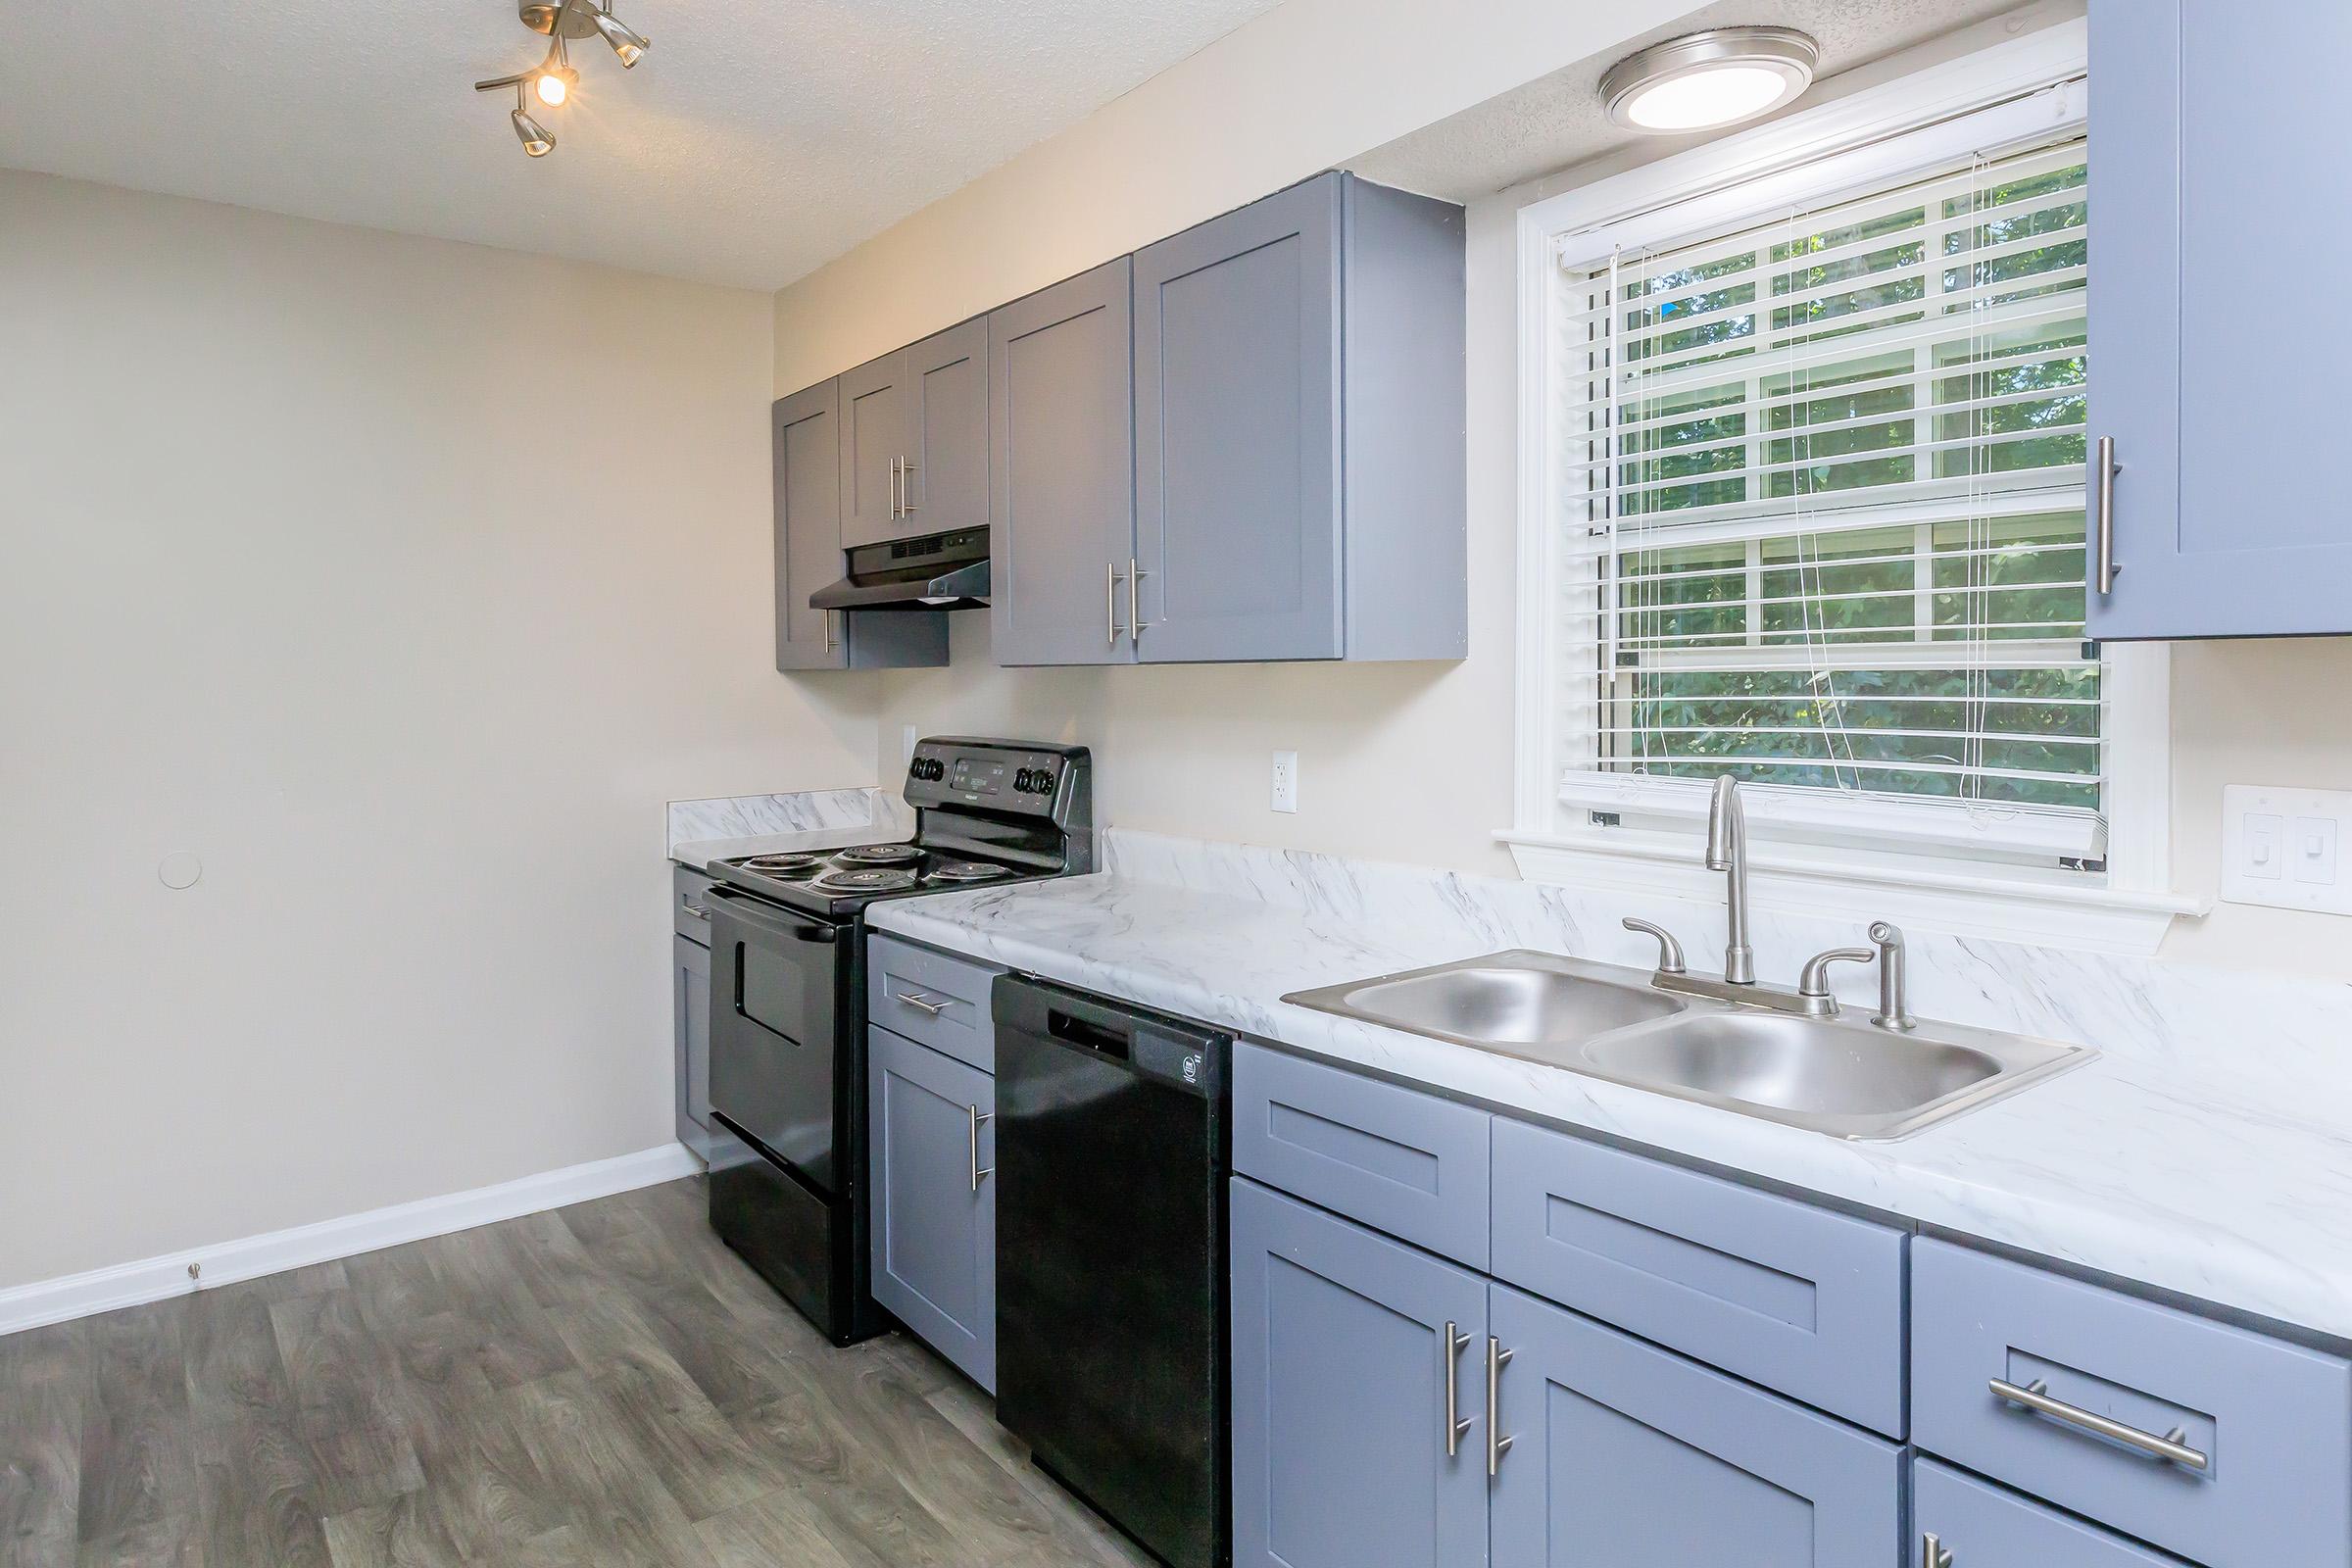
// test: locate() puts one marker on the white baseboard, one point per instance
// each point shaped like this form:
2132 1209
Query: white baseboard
152 1279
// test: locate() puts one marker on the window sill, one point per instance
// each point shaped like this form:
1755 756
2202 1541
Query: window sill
2096 919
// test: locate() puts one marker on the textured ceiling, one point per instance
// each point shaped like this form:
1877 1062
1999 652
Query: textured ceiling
753 142
1557 121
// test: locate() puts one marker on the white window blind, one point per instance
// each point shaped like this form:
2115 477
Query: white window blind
1826 480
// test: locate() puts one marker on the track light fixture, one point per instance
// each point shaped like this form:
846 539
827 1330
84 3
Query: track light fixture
553 81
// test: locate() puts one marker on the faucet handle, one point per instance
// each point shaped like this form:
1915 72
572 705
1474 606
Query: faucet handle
1669 952
1813 983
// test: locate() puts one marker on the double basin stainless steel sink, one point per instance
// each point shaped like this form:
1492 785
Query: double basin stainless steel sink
1835 1075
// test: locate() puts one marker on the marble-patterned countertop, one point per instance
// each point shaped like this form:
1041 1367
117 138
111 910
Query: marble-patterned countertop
2155 1165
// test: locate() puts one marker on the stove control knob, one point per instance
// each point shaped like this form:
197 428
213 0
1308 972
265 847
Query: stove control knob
1021 782
1044 781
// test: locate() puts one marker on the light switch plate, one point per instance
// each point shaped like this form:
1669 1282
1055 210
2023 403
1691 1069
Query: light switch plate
2282 846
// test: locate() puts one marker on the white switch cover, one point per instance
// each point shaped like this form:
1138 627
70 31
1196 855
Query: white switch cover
906 739
1286 781
2280 848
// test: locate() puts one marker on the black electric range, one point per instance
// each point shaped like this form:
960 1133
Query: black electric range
788 1169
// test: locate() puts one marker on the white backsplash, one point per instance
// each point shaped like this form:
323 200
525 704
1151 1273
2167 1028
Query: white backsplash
2268 1038
752 816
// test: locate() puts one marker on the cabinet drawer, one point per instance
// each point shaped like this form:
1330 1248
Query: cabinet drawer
2272 1420
932 998
686 915
1402 1161
1795 1297
1977 1522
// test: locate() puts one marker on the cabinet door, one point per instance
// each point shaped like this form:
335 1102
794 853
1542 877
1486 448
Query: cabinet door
874 414
945 484
690 998
1061 447
807 464
1977 1522
1340 1381
2215 133
934 1235
1237 410
1623 1455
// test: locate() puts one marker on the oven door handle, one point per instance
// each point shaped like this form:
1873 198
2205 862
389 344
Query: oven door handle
764 916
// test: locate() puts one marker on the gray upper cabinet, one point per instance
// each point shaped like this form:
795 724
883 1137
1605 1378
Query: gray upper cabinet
807 451
944 484
914 439
808 462
2214 125
873 431
1062 471
1300 431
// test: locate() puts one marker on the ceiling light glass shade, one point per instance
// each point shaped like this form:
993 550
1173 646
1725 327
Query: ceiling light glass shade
554 85
536 139
629 44
1707 80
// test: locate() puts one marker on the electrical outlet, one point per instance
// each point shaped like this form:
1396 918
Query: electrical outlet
1286 781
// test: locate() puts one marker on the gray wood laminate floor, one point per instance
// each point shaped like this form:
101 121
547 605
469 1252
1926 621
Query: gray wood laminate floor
602 1384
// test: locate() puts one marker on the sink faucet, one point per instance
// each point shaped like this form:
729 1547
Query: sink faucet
1727 852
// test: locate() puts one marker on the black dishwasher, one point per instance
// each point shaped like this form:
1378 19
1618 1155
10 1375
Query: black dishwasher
1112 1151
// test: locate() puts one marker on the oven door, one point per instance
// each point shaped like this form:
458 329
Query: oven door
776 1001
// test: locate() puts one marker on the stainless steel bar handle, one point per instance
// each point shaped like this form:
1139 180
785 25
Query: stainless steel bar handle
1111 602
906 506
976 1116
1455 1342
701 911
2171 1447
2103 512
1496 1444
916 999
1135 606
894 489
1932 1554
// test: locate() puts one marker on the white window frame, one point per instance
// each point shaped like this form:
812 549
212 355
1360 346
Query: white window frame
2016 90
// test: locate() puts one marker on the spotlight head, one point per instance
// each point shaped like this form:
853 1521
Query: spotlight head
553 86
628 43
536 139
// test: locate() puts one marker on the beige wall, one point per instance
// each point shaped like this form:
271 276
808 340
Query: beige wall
1404 762
403 583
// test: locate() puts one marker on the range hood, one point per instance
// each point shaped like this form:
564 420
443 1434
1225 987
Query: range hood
943 572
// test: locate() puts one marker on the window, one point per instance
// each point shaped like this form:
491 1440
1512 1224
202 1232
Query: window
1807 509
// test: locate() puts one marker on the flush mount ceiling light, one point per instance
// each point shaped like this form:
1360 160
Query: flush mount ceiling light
1705 80
553 81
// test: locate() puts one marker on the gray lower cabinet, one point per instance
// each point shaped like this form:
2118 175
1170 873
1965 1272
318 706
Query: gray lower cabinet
1061 522
2212 122
690 997
1623 1455
807 451
1344 1388
1300 431
1977 1522
934 1219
